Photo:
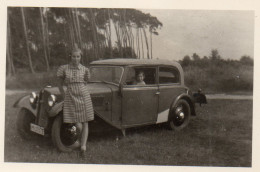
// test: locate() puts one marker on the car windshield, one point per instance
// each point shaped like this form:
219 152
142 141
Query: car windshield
110 74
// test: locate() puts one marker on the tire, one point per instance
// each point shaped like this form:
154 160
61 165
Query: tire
179 116
24 118
63 137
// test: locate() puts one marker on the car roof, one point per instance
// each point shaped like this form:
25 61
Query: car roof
126 62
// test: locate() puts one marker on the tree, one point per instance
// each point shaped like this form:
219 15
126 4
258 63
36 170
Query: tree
49 34
205 58
195 57
44 37
154 25
9 53
247 60
27 41
186 61
214 55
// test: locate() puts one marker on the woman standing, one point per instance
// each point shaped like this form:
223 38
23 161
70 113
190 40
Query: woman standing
77 107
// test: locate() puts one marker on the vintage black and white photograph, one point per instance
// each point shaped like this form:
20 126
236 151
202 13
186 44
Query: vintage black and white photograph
129 86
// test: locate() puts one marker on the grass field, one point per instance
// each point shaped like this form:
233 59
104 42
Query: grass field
220 135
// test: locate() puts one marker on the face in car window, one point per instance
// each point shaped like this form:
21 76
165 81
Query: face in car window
141 76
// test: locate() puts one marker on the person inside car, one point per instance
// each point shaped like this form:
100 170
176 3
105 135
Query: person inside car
139 78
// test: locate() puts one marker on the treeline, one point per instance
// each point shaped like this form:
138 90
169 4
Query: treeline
41 38
214 74
214 58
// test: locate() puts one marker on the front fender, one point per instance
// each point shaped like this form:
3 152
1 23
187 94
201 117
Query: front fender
56 109
23 102
189 99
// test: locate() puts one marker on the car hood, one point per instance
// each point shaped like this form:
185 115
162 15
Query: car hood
93 89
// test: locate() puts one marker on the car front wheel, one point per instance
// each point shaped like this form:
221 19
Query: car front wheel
65 136
179 116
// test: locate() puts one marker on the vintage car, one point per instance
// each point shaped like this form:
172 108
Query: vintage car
116 99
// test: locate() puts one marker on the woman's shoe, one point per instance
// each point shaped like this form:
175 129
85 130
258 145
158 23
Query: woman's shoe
83 154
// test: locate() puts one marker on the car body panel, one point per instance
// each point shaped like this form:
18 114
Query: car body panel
101 95
140 105
163 116
168 93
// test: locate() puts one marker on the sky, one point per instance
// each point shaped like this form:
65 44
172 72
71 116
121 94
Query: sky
185 32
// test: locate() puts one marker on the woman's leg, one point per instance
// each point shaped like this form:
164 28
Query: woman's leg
77 144
84 136
79 127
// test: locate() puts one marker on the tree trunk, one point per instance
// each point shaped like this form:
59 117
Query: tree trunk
129 36
124 29
79 33
151 42
142 43
78 28
47 37
110 41
10 64
71 29
27 41
138 43
67 35
74 28
99 43
118 35
118 38
146 41
44 40
94 30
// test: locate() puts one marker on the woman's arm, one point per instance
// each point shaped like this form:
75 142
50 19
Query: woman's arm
60 85
87 75
60 79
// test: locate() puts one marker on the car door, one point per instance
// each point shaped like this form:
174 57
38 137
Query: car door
140 102
169 89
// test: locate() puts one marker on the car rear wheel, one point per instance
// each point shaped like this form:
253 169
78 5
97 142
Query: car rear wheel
179 115
24 118
65 136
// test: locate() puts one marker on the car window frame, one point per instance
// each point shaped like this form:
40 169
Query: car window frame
142 66
166 84
121 77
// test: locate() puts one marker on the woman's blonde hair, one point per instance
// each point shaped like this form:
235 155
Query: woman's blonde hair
75 49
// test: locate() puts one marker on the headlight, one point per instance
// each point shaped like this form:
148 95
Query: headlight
33 98
51 100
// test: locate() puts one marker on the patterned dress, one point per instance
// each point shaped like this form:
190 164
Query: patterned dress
77 105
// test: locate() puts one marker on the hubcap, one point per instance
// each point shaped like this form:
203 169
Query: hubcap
179 116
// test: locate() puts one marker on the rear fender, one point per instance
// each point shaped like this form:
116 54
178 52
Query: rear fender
23 102
189 99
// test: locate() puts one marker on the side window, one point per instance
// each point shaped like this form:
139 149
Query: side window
168 75
141 76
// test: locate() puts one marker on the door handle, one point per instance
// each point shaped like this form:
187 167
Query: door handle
157 93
